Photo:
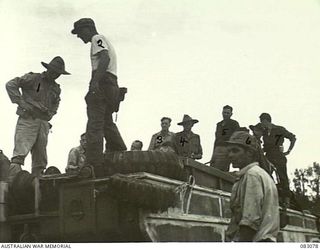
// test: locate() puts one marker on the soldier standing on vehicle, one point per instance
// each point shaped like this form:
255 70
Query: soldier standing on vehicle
224 130
164 140
254 198
188 143
103 97
273 139
37 102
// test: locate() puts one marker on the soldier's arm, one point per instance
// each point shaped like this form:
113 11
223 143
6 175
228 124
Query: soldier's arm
252 206
236 126
104 60
53 110
72 159
292 139
152 143
13 90
14 93
198 154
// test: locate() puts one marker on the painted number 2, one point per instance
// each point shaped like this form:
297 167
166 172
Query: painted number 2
99 42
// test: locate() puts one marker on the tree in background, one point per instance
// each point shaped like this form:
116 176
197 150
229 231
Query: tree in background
307 187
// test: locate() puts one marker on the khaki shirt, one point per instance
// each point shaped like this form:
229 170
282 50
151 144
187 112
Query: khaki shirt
163 141
37 90
188 143
254 203
76 158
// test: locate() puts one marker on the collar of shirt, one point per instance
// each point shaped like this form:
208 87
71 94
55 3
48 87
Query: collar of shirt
44 77
187 133
163 133
245 169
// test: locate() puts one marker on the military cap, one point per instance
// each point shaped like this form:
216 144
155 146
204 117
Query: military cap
83 22
244 139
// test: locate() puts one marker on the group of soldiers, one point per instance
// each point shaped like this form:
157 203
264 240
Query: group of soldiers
257 155
270 140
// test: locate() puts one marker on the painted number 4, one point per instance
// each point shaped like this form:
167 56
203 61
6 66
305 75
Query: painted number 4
183 141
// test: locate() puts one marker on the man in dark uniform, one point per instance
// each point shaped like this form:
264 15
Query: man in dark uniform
188 143
224 130
104 94
273 139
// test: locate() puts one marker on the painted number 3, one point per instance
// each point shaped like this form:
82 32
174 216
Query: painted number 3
99 42
159 139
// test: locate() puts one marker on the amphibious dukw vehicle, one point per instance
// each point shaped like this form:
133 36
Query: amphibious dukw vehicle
139 196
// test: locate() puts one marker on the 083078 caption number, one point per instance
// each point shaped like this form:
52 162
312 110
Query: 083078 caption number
309 245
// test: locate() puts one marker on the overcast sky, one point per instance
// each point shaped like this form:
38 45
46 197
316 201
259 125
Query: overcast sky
175 57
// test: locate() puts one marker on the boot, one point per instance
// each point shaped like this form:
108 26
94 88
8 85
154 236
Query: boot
13 170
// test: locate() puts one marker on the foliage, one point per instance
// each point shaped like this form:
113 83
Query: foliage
307 187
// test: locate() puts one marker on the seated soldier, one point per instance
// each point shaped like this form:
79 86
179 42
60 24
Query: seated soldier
76 158
136 145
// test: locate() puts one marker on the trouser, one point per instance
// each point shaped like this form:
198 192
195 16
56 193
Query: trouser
220 158
100 106
280 162
31 135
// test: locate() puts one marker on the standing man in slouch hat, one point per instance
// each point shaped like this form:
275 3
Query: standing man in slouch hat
37 102
188 143
103 96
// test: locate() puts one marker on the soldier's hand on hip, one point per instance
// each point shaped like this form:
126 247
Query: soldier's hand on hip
286 153
24 105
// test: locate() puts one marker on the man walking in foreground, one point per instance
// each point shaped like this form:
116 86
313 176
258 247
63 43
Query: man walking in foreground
224 130
37 102
103 96
254 198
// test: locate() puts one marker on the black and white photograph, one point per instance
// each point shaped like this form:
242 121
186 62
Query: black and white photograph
144 121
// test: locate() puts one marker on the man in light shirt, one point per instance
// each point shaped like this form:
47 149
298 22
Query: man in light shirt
103 97
164 140
76 157
254 199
